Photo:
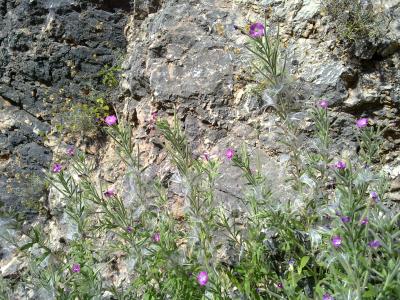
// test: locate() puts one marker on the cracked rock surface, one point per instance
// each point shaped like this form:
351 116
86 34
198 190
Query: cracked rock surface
50 51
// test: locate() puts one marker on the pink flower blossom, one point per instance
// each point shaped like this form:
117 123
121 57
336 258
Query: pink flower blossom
110 192
374 195
323 104
206 156
156 237
361 123
111 120
202 278
327 296
340 165
256 30
76 268
70 151
336 241
374 244
345 219
57 168
229 153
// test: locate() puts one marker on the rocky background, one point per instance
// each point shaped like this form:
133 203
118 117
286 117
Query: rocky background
183 55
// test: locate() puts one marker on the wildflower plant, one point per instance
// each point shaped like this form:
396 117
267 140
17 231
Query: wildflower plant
332 237
110 75
267 51
198 178
81 119
370 139
339 242
5 289
355 20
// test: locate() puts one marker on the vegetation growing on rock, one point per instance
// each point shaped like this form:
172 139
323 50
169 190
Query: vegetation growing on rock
215 223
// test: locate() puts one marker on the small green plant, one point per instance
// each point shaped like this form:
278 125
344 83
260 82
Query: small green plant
82 118
354 20
267 52
110 75
274 87
370 140
5 289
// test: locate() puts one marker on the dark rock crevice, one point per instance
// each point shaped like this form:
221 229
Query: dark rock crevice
50 51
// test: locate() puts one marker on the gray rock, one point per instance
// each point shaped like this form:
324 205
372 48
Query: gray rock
46 46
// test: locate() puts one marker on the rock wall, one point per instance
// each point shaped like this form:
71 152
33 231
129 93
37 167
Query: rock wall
189 56
50 53
178 53
183 55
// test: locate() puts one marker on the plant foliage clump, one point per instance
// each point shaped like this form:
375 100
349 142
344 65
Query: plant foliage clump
355 20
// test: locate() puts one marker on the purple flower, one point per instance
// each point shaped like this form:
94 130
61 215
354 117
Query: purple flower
202 278
70 151
229 153
110 192
76 268
323 104
345 219
111 120
336 241
129 229
206 157
340 165
374 195
374 244
327 296
361 123
257 30
57 168
291 264
154 115
364 221
279 285
156 237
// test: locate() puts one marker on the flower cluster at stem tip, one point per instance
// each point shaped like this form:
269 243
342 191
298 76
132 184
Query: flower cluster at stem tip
229 153
327 296
257 30
361 123
111 120
364 221
57 168
345 219
336 241
374 195
76 268
202 278
340 165
156 237
374 244
323 104
70 151
110 192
